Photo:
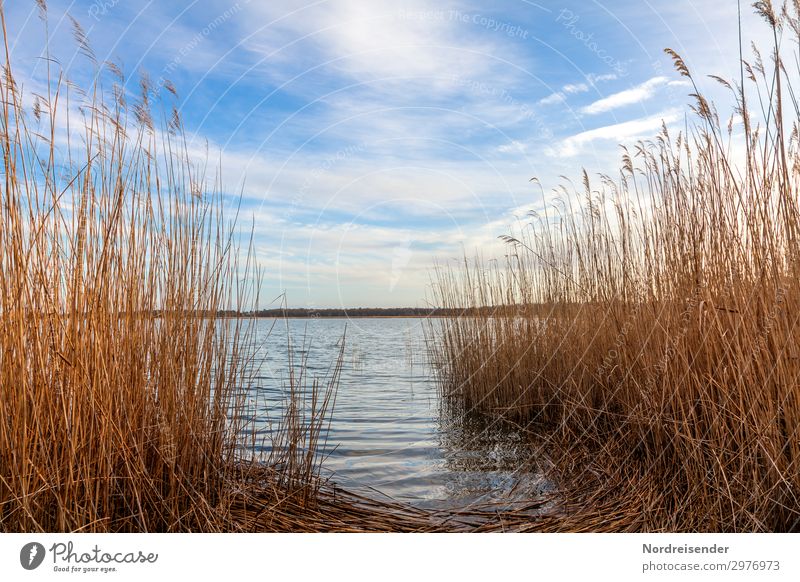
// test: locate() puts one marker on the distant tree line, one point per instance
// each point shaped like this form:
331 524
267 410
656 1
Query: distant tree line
359 312
311 312
308 312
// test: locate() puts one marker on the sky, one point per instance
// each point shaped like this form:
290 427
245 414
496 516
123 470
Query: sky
368 140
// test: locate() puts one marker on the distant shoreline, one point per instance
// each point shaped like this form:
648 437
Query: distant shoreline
373 312
357 313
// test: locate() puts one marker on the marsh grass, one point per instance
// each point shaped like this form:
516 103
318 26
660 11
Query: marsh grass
647 332
650 320
123 390
125 401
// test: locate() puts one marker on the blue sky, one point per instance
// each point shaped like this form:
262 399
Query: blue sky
372 138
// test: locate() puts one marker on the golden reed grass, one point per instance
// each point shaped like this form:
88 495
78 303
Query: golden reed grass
650 331
650 320
122 403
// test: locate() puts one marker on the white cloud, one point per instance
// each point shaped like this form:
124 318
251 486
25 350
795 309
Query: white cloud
379 40
619 132
514 146
631 96
561 96
594 79
552 99
576 88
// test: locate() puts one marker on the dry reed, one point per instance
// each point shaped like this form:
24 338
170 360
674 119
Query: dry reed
651 330
650 320
125 402
122 388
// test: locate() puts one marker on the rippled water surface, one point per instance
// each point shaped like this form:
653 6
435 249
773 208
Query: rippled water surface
388 432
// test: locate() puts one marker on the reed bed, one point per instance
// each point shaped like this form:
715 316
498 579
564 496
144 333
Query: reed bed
125 401
122 404
649 319
646 327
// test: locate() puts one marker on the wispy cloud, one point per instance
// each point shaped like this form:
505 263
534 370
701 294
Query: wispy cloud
552 99
592 80
631 96
405 42
576 88
619 132
601 78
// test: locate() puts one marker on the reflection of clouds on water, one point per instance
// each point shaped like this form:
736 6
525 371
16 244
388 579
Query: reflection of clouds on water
388 431
489 461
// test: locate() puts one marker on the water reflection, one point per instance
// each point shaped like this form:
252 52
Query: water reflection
389 433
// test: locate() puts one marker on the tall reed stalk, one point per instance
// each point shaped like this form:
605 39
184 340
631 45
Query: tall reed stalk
121 405
655 313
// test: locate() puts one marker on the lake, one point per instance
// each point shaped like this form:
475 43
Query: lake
389 434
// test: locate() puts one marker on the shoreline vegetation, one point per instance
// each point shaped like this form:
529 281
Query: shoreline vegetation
652 345
123 403
667 370
125 391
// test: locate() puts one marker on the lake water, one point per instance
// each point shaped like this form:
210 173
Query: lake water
388 433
